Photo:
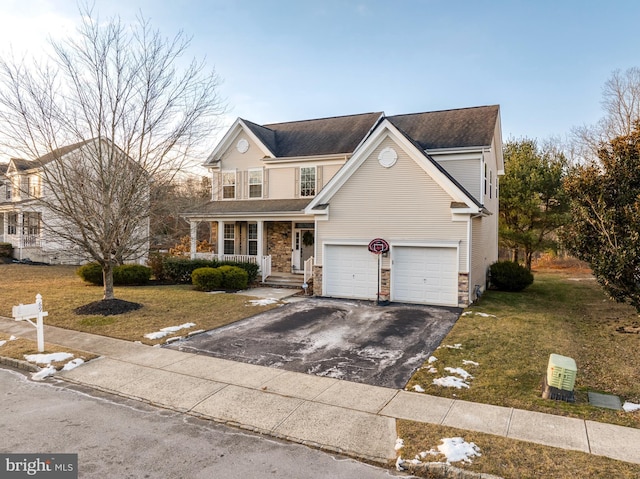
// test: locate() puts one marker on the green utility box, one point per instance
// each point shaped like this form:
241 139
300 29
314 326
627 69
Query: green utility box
561 372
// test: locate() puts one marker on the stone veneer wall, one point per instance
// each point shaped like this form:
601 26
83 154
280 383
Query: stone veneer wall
385 280
279 245
463 289
317 280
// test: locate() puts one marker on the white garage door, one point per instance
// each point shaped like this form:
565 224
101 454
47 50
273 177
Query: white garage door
350 272
425 275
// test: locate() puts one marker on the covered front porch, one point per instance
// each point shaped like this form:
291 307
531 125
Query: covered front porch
275 234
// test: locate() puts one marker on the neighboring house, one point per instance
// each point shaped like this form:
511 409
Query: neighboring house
310 195
27 223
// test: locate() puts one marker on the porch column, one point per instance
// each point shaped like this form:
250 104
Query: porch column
194 238
260 227
220 238
20 227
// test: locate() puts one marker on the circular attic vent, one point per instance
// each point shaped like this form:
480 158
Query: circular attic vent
388 157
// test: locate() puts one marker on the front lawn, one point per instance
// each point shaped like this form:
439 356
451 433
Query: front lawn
511 335
163 305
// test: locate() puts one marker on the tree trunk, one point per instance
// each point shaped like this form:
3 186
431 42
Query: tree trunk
515 254
107 276
528 258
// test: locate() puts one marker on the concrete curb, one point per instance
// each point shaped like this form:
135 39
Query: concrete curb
19 364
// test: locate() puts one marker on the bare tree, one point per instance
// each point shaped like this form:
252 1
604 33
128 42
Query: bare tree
621 105
133 109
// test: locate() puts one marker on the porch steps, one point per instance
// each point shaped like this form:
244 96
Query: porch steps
284 280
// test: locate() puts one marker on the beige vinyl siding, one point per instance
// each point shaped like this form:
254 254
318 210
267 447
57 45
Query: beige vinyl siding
232 159
401 203
466 171
282 182
328 172
483 251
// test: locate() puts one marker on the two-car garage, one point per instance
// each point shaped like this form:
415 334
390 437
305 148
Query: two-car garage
419 274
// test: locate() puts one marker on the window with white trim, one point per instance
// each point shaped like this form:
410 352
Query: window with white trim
31 224
228 184
308 181
33 186
8 190
255 183
12 224
485 178
229 238
252 237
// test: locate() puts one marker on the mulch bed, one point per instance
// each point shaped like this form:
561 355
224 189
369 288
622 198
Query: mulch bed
108 307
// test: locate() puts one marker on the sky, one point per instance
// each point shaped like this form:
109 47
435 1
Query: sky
544 62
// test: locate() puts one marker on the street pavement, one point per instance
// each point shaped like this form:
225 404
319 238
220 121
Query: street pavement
349 418
122 438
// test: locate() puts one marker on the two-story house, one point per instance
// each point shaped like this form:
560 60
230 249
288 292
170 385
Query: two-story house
26 218
309 196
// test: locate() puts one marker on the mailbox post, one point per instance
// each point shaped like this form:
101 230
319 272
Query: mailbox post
27 312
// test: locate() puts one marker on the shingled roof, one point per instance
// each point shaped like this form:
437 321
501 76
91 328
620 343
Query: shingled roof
465 127
280 206
324 136
459 128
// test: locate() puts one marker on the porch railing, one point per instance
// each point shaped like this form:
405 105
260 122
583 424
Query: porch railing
266 267
308 269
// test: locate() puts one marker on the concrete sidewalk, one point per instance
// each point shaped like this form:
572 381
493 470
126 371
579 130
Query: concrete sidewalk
345 417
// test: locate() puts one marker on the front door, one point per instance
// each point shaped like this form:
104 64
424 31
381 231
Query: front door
303 240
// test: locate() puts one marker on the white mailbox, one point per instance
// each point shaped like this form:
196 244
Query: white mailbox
27 312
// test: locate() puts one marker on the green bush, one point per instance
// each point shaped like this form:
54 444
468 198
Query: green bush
131 274
206 279
6 250
234 277
91 273
124 275
178 270
510 276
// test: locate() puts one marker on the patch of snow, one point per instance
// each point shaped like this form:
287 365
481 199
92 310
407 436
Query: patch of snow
2 343
455 346
173 329
432 370
263 302
417 388
467 362
399 462
12 338
460 372
432 359
457 449
174 339
478 313
630 407
47 358
197 331
74 363
43 373
450 382
399 444
169 329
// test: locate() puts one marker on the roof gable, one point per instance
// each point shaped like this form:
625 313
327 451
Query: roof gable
433 169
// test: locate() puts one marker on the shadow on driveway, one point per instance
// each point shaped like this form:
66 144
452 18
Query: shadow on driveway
351 340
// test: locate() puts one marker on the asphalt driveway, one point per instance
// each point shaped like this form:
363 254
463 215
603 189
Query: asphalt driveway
351 340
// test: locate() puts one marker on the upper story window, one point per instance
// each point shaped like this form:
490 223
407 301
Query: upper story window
228 184
485 178
33 186
8 190
308 181
255 183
